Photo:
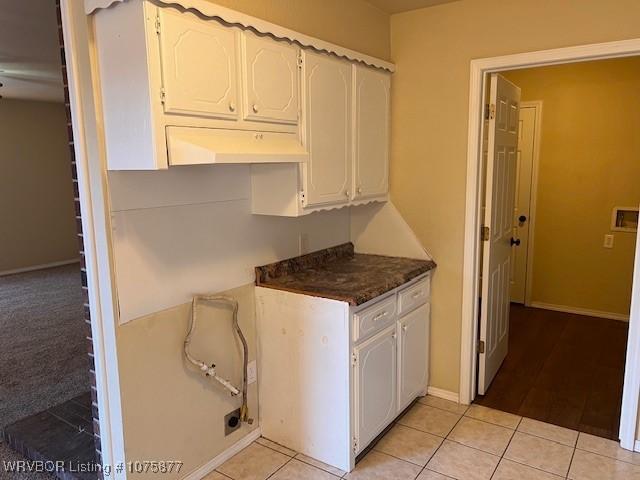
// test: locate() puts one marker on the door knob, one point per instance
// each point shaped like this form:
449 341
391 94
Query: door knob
515 241
522 218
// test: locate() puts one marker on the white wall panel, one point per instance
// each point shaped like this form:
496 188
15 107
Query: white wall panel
189 230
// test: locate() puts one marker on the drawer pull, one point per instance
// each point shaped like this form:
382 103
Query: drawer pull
380 315
416 294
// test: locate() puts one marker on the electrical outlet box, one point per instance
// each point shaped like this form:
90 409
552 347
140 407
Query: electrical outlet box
252 372
232 422
608 241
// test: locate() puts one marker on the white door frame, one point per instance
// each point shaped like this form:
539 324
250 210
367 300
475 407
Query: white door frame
96 227
533 192
480 68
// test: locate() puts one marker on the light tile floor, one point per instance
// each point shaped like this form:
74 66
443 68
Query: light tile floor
440 440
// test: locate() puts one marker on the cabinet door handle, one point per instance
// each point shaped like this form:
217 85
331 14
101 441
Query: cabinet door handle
359 190
416 295
404 328
232 107
379 316
347 193
255 108
393 335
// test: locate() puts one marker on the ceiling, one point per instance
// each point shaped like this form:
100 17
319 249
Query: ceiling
29 53
398 6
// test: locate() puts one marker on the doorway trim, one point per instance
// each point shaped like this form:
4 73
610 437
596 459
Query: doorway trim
90 164
479 70
533 193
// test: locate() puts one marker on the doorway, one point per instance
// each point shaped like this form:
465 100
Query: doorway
48 402
567 334
480 71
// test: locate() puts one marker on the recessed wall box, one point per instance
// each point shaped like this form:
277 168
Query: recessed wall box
624 219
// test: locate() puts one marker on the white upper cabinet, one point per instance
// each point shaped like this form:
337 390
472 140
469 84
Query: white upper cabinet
371 135
199 66
176 87
270 77
327 129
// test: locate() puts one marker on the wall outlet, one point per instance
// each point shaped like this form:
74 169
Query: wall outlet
608 241
232 422
252 372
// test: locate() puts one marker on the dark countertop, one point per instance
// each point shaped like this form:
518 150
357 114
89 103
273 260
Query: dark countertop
340 274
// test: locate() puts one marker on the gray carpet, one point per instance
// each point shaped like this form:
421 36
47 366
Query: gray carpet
43 346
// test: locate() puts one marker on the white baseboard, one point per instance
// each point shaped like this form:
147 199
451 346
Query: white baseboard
39 267
214 463
580 311
636 446
445 394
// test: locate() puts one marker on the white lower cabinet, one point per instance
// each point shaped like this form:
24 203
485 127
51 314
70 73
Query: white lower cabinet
412 356
375 385
333 376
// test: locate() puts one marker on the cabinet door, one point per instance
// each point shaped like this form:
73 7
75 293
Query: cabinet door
413 360
327 131
270 73
371 135
199 66
375 385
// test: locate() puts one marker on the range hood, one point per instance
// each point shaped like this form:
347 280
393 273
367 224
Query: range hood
196 146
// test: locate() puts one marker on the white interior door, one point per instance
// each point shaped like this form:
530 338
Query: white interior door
500 197
522 207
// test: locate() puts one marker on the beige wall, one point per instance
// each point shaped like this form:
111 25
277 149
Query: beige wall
589 163
177 240
432 49
353 24
36 191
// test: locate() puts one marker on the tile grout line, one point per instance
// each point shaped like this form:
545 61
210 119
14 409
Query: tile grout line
442 443
319 468
573 454
506 448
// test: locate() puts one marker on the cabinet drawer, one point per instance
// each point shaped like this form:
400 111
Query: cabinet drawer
374 318
413 296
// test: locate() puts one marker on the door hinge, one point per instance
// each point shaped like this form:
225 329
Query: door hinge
163 95
355 444
300 60
484 233
481 346
354 359
489 111
158 24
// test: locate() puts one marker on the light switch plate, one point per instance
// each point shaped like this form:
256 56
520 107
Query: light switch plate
252 372
608 241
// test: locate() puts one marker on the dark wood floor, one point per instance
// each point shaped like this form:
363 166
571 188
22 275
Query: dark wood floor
563 369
